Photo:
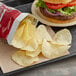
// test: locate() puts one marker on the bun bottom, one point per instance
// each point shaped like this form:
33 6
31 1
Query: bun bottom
59 21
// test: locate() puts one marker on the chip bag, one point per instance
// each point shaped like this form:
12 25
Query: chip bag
11 21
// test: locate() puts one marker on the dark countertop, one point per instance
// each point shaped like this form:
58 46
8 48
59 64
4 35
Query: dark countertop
65 67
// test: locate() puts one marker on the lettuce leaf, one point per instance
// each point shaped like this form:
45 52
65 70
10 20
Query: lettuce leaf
67 10
42 4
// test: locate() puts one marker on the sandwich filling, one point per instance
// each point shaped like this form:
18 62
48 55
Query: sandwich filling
58 11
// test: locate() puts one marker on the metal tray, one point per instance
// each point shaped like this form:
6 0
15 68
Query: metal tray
27 8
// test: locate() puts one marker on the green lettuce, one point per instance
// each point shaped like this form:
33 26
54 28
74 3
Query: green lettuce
67 10
42 4
64 11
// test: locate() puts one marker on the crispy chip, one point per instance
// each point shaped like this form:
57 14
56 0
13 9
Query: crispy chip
32 45
51 51
19 32
24 33
17 43
34 53
42 33
20 58
29 31
36 40
63 37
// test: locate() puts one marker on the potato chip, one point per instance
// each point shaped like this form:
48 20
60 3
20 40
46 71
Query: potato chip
19 32
63 37
43 33
20 58
50 50
50 31
17 43
34 53
24 33
40 33
29 31
32 45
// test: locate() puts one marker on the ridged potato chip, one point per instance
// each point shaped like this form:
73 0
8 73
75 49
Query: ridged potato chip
20 58
51 51
34 53
63 37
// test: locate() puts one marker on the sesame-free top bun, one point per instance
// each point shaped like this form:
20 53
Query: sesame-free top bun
57 1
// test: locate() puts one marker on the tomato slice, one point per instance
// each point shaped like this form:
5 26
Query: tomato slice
55 6
72 3
58 6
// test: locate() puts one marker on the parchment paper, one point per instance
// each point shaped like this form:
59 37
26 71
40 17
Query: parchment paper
6 51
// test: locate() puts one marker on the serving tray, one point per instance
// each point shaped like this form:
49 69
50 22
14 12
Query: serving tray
27 8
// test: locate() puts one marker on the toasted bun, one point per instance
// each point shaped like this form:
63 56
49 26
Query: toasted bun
49 21
57 1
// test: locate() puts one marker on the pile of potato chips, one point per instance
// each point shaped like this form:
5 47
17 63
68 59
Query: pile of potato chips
33 41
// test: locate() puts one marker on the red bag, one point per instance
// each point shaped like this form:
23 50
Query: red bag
9 21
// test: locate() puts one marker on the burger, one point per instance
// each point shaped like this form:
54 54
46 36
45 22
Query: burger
58 11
